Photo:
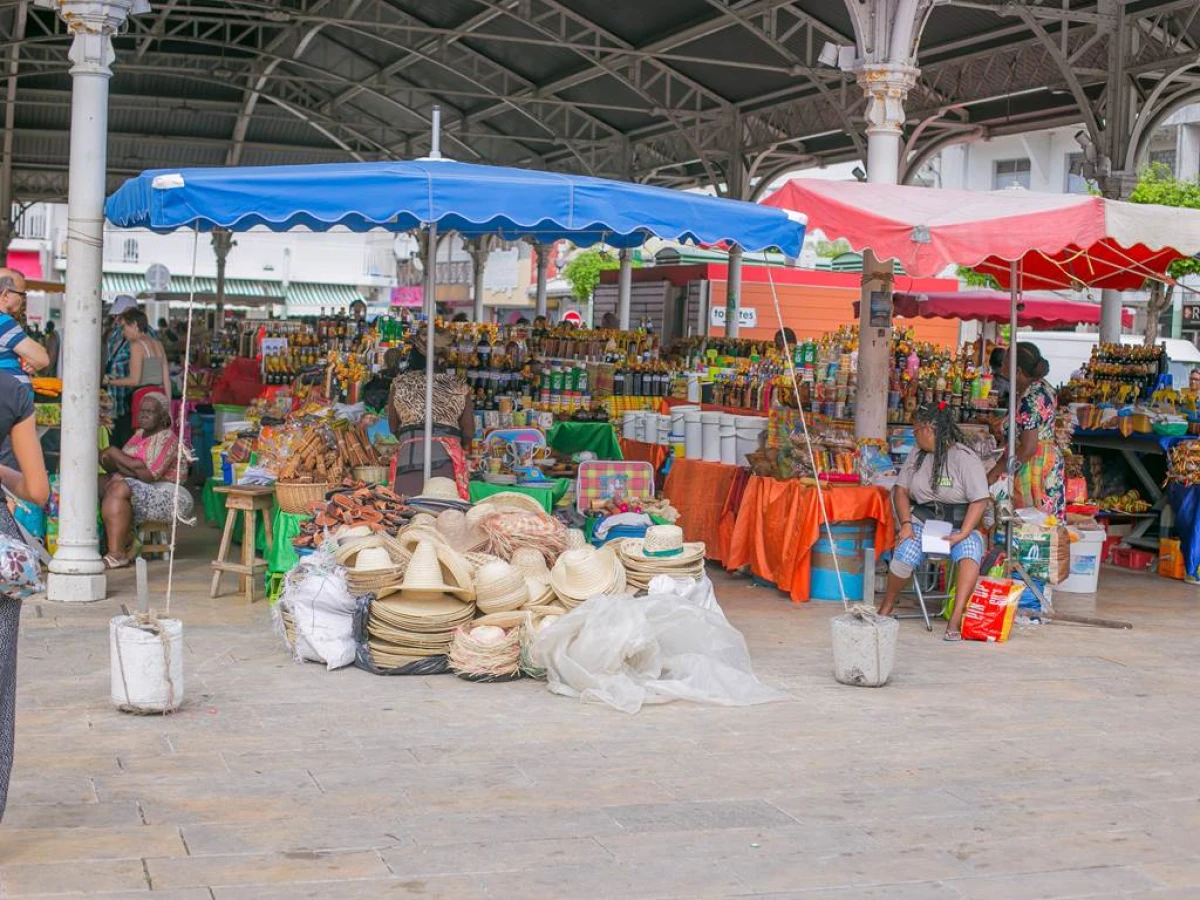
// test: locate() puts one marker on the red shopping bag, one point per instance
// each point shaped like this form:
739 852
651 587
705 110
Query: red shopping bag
991 610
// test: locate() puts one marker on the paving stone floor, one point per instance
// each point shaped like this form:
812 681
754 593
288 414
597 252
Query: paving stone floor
1063 764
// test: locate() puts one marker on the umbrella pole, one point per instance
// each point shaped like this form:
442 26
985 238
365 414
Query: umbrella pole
1011 565
430 352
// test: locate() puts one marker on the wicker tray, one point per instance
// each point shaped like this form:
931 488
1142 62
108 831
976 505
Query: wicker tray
299 499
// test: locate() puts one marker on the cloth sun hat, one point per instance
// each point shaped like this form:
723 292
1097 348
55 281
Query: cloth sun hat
123 304
424 576
499 587
586 572
664 547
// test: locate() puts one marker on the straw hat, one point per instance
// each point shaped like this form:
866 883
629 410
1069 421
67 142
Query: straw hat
499 587
513 499
422 520
576 539
540 592
663 547
531 563
453 526
371 559
587 572
438 488
424 577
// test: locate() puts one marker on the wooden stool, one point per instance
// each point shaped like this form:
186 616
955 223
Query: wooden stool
155 537
249 501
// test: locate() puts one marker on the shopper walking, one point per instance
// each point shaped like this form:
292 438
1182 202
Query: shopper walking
29 482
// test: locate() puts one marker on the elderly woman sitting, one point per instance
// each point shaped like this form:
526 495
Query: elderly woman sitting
143 484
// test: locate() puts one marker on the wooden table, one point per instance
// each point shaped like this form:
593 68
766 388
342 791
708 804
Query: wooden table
249 500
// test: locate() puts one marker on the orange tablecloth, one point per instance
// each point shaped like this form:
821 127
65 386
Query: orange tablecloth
699 491
779 522
640 451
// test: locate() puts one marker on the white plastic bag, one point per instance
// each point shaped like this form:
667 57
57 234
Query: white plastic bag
628 652
323 610
700 592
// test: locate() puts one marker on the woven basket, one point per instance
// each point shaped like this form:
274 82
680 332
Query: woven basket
299 499
371 474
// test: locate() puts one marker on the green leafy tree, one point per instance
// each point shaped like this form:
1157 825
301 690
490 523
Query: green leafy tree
1157 184
583 271
833 249
974 279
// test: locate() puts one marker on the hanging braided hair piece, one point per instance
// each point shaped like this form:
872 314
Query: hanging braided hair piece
946 434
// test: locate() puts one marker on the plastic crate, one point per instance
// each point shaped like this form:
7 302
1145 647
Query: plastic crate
1132 558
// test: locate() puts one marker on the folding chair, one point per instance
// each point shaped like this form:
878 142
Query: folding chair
925 579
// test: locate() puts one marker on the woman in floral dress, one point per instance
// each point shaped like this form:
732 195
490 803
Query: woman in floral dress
1038 482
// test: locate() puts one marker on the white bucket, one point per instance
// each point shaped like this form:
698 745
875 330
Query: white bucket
629 425
693 387
679 416
639 426
710 423
864 650
663 438
728 439
749 432
146 667
693 434
1085 564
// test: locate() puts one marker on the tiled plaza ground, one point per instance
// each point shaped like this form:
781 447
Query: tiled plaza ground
1063 764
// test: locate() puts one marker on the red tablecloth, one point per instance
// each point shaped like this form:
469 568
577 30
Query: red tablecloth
779 521
701 492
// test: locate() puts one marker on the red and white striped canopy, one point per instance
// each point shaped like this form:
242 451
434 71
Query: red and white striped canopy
1059 240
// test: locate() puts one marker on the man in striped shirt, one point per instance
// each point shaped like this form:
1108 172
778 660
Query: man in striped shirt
19 353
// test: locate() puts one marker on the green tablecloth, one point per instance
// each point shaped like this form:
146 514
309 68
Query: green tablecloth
214 514
282 556
547 496
574 437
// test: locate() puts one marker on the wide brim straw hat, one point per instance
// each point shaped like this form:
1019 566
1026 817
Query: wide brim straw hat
576 539
459 534
424 576
429 615
587 572
540 591
663 546
499 587
439 488
512 499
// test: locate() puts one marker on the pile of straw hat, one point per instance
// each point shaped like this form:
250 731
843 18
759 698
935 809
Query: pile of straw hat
417 617
532 565
437 494
587 572
504 501
372 563
499 587
663 551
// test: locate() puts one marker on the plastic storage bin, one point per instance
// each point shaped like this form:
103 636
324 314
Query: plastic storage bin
1086 555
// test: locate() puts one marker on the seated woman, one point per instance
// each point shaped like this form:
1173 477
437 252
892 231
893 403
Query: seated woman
143 484
942 480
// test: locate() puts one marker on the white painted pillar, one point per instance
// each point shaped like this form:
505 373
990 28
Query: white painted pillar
543 262
886 87
624 288
733 291
77 572
479 256
1110 316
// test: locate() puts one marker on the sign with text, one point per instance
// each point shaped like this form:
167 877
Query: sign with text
747 317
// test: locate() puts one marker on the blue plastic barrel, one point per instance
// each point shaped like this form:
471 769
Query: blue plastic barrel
850 539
